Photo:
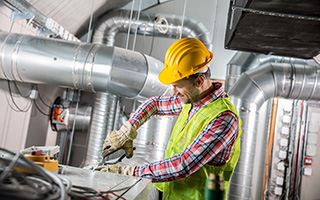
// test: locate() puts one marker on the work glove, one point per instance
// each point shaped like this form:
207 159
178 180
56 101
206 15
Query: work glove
121 139
117 169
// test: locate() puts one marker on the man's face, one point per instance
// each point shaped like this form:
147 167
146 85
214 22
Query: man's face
187 91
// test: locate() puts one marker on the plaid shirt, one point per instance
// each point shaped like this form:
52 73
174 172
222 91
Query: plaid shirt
212 145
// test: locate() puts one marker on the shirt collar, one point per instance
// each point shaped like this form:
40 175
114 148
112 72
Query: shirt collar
216 93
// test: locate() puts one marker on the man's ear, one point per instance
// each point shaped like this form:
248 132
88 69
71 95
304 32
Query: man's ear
199 81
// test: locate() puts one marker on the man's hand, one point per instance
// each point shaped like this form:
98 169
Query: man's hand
121 139
117 169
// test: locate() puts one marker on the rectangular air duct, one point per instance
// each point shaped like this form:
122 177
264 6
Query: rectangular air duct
276 27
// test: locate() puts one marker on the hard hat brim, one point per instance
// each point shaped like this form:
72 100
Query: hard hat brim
166 76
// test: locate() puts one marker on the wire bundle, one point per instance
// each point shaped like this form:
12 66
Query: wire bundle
39 183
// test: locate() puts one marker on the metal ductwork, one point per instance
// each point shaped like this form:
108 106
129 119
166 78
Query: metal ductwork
244 61
152 138
103 120
110 72
271 79
83 66
150 24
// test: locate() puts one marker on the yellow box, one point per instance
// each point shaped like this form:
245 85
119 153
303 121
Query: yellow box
44 161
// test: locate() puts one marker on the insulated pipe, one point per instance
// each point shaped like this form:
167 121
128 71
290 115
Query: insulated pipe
286 80
151 24
102 121
244 61
88 67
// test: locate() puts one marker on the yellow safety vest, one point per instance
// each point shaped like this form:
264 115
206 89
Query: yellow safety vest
193 186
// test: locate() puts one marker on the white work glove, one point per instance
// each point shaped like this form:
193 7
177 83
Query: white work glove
117 169
121 139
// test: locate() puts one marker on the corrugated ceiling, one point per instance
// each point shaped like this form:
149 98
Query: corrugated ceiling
74 15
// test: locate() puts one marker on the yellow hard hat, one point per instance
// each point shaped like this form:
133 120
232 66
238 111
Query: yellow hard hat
184 57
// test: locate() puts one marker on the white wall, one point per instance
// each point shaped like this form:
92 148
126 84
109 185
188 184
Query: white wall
13 123
21 124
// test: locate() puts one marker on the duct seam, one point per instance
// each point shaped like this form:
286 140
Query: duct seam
14 67
75 68
145 80
90 77
315 82
303 82
292 80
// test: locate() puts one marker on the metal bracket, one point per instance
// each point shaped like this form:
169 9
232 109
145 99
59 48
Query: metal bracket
44 31
16 15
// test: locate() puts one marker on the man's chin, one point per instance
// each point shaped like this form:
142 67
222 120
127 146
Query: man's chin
184 100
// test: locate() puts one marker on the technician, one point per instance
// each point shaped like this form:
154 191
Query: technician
206 136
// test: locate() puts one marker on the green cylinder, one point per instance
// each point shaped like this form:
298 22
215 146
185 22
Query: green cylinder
215 187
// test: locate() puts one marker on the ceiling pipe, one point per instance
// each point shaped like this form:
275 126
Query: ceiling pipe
254 87
83 66
244 61
150 24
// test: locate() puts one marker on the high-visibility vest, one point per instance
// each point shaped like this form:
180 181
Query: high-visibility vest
193 186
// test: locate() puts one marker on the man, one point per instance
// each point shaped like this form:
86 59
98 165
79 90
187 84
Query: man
206 136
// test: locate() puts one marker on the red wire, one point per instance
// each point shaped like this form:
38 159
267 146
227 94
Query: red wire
118 196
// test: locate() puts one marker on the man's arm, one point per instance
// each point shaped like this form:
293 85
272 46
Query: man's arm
123 138
162 105
213 146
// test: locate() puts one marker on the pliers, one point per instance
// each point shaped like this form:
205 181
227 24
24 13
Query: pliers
103 161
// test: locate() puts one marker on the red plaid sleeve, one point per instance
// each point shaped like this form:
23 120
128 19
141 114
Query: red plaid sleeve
161 105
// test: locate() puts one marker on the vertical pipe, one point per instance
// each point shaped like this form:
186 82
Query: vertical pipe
254 87
102 120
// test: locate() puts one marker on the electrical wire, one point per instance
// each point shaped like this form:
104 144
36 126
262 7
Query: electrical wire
136 28
183 15
153 35
18 109
90 23
42 184
59 191
20 93
128 34
42 112
10 167
28 24
41 99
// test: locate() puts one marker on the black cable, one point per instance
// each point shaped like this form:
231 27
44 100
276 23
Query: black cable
17 88
58 192
130 187
35 103
13 101
42 184
83 192
41 97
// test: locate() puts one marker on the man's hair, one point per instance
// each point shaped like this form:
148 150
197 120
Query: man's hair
206 75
